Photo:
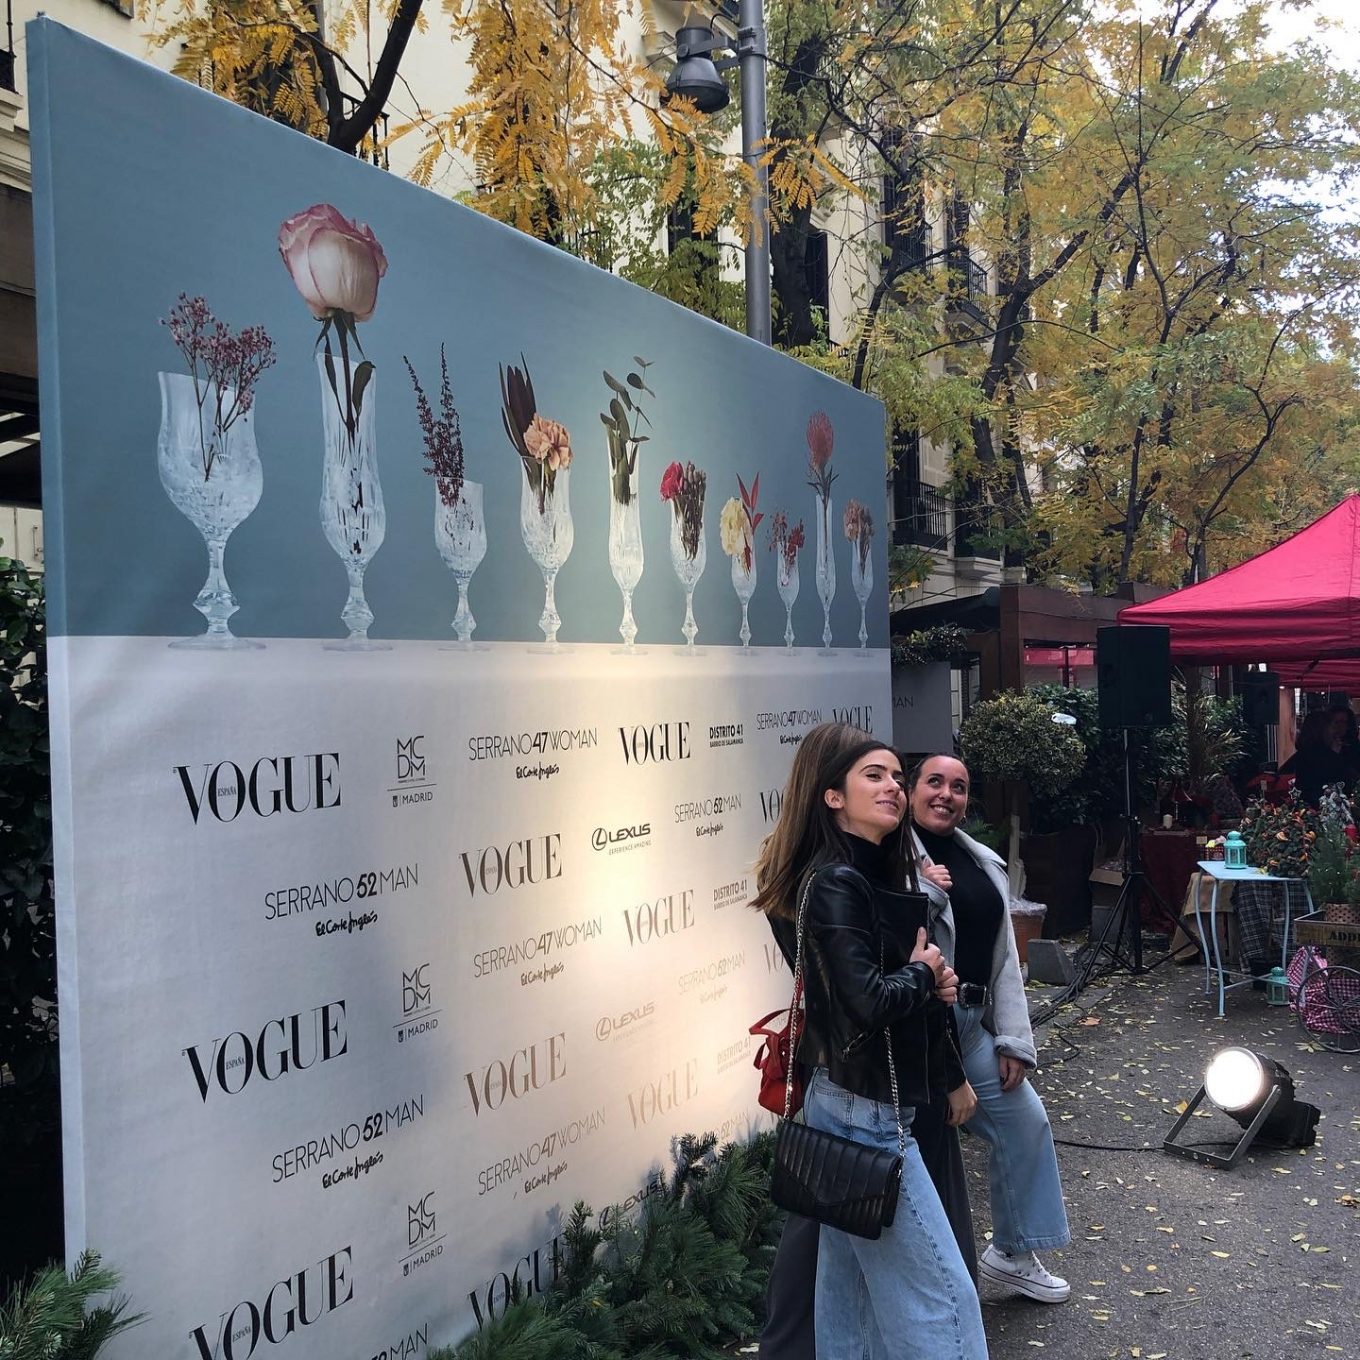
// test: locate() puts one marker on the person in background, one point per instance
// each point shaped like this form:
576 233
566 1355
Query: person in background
968 886
840 835
1320 757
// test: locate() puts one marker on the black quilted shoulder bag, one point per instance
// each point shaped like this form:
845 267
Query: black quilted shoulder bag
823 1176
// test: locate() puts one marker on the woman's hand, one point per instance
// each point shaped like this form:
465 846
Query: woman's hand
1013 1071
930 955
938 875
947 987
962 1103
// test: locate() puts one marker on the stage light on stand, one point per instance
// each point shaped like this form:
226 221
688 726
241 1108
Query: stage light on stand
1258 1093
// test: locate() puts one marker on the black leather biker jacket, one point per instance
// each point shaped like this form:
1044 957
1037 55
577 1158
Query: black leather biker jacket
851 998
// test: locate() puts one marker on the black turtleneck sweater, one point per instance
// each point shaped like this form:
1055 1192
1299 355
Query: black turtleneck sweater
978 909
872 861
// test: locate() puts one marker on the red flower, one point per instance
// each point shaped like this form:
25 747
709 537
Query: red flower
1351 834
821 438
671 481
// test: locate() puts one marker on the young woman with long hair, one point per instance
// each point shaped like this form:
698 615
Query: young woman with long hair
871 978
969 891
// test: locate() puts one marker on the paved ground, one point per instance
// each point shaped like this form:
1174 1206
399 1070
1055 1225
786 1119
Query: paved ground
1171 1258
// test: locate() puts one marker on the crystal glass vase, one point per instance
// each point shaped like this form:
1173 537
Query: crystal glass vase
625 552
548 535
826 565
744 583
862 583
786 581
353 516
460 533
214 479
689 570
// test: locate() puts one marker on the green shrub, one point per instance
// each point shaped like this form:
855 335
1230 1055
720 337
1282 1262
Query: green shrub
51 1317
1013 736
684 1277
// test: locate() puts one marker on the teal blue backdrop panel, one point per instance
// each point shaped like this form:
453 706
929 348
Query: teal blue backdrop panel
147 188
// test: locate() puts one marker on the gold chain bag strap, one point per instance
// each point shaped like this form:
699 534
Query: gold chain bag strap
825 1177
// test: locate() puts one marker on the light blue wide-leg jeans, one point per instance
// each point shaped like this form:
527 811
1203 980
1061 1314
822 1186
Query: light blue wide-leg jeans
1027 1204
908 1295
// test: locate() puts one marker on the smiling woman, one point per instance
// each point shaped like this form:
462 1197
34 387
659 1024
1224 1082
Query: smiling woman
876 1038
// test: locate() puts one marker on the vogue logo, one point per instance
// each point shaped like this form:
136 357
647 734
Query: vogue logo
294 1302
771 800
531 1274
668 915
532 860
602 839
283 1045
529 1069
667 741
274 784
861 716
665 1094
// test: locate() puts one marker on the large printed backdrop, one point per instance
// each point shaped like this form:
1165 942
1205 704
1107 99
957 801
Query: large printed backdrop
374 962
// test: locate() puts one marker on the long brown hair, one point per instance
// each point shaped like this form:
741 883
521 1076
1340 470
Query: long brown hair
807 834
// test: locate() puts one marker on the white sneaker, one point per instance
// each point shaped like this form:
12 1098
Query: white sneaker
1025 1274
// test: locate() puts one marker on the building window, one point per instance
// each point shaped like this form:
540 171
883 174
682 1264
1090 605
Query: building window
905 232
920 513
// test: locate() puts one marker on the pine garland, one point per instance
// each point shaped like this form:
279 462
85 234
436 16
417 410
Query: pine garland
682 1278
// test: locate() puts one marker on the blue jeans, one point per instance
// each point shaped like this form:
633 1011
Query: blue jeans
1027 1203
906 1296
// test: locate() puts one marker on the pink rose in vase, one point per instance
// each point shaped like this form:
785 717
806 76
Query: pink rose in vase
335 263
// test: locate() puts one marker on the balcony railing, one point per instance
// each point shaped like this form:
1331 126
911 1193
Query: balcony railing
921 515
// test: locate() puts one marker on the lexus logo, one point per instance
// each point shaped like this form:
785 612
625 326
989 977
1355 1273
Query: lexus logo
608 1025
601 838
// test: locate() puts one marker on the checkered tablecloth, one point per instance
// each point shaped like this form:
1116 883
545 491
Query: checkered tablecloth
1254 904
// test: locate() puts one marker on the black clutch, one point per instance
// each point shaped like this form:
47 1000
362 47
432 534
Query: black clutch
843 1184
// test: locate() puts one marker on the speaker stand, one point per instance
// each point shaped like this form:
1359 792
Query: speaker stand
1108 954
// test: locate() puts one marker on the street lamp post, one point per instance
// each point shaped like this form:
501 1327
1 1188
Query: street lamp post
696 78
751 56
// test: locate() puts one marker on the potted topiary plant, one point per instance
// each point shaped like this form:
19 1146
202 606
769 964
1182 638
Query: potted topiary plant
1014 738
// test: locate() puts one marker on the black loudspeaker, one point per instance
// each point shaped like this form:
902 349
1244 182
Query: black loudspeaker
1133 671
1261 698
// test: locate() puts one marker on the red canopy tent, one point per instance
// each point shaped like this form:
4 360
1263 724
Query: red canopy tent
1294 605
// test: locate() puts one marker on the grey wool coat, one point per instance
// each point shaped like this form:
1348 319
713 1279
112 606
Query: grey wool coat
1006 1016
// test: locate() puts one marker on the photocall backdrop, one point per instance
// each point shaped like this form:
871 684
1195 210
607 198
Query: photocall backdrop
375 958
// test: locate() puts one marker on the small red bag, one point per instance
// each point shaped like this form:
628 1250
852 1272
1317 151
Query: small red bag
774 1057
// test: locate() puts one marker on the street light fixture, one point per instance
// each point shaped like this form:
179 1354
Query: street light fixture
696 78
